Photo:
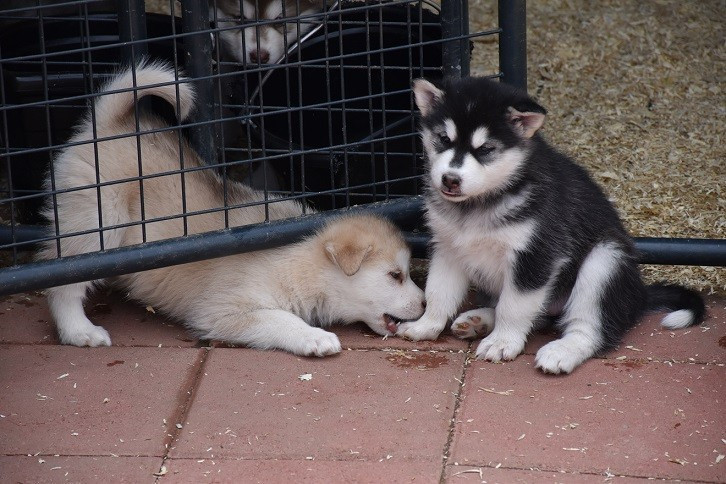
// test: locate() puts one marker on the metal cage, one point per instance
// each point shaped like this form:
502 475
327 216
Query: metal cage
330 123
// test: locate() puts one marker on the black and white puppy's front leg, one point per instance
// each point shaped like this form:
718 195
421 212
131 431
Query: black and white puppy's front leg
514 316
446 286
522 301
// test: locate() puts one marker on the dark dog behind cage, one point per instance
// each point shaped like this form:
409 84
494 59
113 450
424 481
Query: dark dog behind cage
330 124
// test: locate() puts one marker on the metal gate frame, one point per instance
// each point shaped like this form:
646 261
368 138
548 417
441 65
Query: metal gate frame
406 212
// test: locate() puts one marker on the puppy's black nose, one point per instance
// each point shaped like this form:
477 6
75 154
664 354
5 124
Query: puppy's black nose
452 182
262 56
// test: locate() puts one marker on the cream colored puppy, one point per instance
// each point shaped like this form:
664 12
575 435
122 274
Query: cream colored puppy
354 269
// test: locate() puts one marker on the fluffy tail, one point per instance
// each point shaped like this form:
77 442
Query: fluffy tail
116 106
687 306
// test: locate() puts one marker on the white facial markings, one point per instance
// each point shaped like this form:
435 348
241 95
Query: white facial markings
273 38
482 179
450 129
440 165
428 143
479 137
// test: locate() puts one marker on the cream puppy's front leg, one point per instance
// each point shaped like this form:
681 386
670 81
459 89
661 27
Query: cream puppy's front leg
74 328
275 328
446 286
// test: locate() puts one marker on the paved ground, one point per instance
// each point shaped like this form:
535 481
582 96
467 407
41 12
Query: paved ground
160 403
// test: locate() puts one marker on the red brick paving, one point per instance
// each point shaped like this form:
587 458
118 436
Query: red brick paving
382 411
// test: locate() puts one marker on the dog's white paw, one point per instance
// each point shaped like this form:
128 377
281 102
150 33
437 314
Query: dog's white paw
319 342
423 329
474 323
559 357
499 347
86 335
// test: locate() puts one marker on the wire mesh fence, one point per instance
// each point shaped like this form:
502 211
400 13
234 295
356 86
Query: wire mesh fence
300 100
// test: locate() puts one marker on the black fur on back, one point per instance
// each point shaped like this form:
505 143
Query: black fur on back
572 212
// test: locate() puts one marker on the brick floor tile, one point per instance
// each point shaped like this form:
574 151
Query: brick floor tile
704 344
50 469
493 475
25 319
359 336
360 405
301 471
52 398
635 418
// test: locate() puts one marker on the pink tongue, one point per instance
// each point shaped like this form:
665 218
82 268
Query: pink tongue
391 326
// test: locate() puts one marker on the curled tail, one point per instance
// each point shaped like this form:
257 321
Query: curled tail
686 306
117 98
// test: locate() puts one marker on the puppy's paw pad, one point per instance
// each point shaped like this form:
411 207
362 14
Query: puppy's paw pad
499 348
557 357
93 337
473 324
323 343
419 330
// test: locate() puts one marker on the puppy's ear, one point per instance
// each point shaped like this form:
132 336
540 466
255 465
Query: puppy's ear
348 256
427 95
526 118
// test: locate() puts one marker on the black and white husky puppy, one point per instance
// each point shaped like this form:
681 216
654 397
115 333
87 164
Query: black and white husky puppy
528 226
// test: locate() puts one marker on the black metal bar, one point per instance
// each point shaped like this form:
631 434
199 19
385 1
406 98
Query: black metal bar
198 66
513 42
132 27
452 54
125 260
688 252
653 250
465 47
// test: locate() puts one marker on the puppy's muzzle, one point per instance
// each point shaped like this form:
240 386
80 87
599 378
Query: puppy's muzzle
451 184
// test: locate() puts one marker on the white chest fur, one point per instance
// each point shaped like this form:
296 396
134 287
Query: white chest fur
485 250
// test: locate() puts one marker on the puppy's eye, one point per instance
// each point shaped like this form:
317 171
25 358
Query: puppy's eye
484 149
396 275
444 139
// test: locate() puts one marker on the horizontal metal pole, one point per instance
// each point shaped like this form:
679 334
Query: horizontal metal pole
652 250
405 212
688 252
152 255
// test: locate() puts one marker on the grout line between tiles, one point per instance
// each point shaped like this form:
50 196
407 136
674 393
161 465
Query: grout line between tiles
455 413
185 400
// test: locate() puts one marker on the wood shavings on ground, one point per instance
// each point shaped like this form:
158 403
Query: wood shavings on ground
305 377
491 390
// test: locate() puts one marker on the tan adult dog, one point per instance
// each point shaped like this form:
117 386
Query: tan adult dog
354 269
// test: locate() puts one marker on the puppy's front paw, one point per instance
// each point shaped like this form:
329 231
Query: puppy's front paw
498 347
559 357
422 329
319 343
474 323
86 335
